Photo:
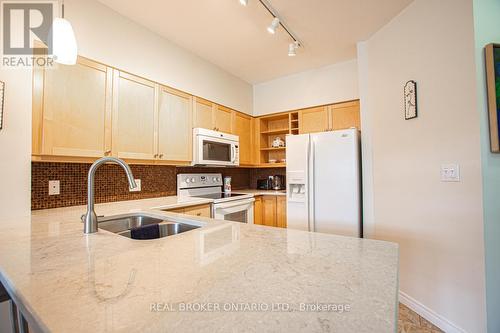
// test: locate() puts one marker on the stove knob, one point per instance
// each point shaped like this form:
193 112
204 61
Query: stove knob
193 180
188 180
214 179
217 179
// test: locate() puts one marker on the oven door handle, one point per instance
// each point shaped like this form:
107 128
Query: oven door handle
235 204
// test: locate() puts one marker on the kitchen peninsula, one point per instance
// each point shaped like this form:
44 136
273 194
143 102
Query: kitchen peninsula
223 276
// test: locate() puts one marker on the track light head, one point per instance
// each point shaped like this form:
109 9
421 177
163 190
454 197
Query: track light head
244 2
274 25
292 49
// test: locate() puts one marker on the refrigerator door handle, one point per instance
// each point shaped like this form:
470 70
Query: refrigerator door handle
311 184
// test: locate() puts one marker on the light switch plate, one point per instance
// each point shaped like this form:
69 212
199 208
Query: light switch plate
138 188
450 172
54 187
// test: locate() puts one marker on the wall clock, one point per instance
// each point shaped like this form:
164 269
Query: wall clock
410 92
2 91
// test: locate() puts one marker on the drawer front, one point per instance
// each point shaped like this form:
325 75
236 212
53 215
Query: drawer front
202 211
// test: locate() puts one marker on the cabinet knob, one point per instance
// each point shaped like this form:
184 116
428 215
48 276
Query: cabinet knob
155 155
161 156
198 214
107 152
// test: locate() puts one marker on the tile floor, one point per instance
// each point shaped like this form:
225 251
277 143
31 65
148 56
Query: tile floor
411 322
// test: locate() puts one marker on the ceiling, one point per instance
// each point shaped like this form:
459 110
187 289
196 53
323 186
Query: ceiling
234 37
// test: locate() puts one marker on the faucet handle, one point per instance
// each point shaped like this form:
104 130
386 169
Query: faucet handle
85 215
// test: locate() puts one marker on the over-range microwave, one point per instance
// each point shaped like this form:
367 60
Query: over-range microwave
215 148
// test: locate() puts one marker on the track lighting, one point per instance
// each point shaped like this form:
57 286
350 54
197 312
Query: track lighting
274 25
292 48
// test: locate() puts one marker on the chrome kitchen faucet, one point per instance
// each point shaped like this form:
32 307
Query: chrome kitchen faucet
90 219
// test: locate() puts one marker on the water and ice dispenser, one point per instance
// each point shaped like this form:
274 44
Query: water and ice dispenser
297 182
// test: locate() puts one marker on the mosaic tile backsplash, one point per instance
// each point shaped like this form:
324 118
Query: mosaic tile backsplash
111 184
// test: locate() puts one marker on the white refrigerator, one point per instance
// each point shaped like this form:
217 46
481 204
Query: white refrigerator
323 182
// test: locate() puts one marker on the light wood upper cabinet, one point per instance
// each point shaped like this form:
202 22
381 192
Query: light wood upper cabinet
174 125
203 113
134 112
313 120
72 110
281 211
242 126
212 116
345 115
223 119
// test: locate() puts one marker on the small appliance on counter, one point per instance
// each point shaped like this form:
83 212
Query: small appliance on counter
276 183
227 184
263 184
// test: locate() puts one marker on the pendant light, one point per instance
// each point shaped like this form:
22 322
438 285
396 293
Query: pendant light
64 46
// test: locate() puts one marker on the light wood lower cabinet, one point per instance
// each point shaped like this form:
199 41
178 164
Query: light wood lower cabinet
281 211
199 210
257 210
270 210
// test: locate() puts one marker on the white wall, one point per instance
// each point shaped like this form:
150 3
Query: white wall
438 225
15 144
330 84
106 36
487 30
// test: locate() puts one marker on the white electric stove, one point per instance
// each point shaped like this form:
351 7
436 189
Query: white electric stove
236 207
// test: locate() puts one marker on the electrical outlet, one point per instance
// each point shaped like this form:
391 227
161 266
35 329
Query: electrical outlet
450 173
138 188
54 187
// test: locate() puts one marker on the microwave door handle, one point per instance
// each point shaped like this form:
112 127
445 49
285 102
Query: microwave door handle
233 154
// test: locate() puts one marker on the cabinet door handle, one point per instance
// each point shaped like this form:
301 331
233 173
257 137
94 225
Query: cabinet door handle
161 156
155 155
107 152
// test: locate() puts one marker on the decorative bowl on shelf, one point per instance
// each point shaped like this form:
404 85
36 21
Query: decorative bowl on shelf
278 142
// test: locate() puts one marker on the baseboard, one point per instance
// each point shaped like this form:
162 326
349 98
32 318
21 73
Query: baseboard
429 314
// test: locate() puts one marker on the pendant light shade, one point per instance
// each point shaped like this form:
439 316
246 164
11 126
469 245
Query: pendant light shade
64 46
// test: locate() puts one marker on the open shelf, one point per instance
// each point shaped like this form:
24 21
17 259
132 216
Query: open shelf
276 131
272 149
272 127
272 165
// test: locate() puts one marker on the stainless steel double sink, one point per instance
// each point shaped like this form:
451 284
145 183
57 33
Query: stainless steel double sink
141 226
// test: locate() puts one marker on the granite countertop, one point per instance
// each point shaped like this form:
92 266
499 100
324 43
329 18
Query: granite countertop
261 192
222 277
